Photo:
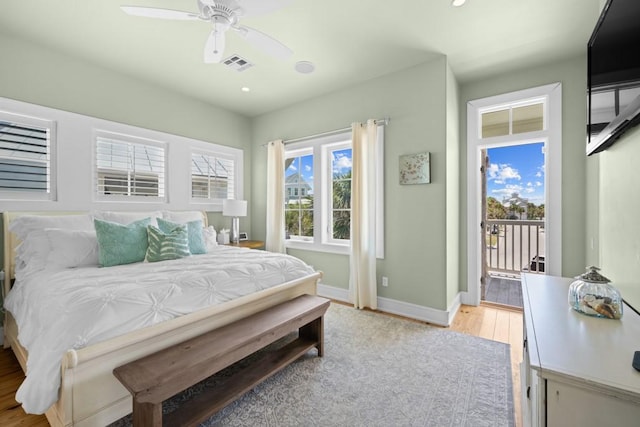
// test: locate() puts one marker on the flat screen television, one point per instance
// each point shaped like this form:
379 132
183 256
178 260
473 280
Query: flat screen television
613 74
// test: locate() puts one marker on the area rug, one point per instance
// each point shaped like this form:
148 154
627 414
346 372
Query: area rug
378 370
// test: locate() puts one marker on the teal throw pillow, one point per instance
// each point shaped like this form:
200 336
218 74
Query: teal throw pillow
164 246
121 244
197 245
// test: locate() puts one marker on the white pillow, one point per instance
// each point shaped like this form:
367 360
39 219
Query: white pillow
182 217
56 248
126 218
32 253
72 248
209 234
25 224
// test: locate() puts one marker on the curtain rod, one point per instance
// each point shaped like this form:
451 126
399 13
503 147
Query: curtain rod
384 122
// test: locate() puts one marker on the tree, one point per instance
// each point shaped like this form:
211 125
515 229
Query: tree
495 209
298 217
342 206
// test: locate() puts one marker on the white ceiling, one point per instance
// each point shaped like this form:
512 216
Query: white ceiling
349 41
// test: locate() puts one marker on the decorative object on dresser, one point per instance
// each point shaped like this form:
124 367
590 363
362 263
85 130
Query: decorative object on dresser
234 209
576 369
593 295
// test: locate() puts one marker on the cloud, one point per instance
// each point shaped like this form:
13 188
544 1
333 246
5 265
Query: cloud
292 167
508 190
341 162
538 184
501 173
307 168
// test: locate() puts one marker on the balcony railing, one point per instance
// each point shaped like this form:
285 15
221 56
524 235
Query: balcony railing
514 245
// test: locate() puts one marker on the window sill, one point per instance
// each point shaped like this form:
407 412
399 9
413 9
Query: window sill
317 247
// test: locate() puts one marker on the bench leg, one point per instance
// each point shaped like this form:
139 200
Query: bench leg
314 331
147 414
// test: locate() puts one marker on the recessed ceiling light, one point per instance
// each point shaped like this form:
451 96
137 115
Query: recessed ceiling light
245 89
304 67
458 3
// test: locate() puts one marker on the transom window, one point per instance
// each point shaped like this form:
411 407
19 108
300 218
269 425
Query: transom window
513 119
25 157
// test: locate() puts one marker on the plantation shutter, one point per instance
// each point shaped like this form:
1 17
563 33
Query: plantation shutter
129 169
25 158
212 176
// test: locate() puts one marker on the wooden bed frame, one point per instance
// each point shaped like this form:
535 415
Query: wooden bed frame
89 394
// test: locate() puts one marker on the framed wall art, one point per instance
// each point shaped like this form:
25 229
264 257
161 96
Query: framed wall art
415 169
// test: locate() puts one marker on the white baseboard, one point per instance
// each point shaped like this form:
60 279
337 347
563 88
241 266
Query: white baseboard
401 308
332 292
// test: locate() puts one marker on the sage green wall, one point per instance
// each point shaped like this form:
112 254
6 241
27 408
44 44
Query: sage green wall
453 188
572 73
619 206
415 215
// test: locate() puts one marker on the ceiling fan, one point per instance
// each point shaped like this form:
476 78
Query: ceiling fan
223 15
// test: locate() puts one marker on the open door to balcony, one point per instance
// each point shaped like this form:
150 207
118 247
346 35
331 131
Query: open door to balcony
514 216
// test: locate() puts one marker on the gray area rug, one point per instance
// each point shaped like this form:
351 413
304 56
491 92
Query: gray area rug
378 371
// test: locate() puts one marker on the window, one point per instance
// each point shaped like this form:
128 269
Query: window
513 119
318 193
212 176
298 209
128 167
26 170
339 185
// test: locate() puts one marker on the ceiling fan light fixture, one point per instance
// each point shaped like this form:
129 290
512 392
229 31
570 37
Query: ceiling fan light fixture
457 3
304 67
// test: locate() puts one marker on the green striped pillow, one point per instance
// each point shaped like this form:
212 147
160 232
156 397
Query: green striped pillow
194 231
164 246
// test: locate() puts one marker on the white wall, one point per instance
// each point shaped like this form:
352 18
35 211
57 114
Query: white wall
75 156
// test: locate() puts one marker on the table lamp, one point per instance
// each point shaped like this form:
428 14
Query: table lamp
234 209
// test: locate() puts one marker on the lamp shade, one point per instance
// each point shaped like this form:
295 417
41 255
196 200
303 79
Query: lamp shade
234 207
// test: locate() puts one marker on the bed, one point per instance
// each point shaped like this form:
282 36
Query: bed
89 394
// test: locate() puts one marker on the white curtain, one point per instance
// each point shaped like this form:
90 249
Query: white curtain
275 197
362 279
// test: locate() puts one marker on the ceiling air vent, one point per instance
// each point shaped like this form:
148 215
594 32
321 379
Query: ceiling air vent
237 63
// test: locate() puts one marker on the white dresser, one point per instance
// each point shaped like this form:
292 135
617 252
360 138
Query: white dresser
576 369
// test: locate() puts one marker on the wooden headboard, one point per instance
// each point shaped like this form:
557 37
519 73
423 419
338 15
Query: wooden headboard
11 241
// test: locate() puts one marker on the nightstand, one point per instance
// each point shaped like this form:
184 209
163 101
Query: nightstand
251 244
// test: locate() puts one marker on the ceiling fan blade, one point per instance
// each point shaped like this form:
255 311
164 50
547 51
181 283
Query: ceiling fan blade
214 48
152 12
260 7
264 42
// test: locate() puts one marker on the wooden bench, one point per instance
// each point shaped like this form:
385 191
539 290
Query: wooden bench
161 375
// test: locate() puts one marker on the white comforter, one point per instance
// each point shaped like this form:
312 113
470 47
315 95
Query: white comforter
74 308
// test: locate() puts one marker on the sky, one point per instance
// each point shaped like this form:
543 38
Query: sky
517 169
340 164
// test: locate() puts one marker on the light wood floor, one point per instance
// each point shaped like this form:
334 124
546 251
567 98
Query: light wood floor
487 322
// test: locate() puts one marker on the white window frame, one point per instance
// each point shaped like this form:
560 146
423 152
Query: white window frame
125 138
50 125
321 147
